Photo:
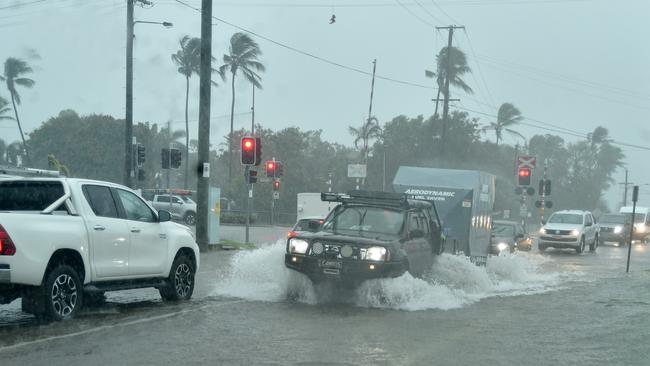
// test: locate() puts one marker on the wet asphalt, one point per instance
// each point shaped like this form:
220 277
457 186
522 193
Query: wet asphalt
594 315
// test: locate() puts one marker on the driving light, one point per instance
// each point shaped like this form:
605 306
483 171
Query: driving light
618 229
542 231
640 228
575 232
298 246
317 248
347 251
374 254
502 246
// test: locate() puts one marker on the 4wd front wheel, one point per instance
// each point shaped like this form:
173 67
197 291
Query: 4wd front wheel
63 293
180 283
593 246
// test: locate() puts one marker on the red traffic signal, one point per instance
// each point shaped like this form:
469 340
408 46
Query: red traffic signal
270 169
524 176
248 151
276 185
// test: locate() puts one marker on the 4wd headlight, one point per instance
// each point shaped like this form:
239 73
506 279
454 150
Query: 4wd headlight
575 232
298 246
640 228
502 246
542 231
618 229
374 254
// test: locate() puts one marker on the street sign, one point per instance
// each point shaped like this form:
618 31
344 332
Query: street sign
276 195
526 161
356 170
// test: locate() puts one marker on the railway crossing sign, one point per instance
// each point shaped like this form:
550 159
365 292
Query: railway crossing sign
525 161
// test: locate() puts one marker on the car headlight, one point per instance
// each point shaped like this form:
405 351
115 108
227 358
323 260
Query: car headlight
502 246
618 229
298 246
640 228
542 231
575 232
376 254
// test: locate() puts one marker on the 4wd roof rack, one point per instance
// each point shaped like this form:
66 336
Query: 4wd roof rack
374 198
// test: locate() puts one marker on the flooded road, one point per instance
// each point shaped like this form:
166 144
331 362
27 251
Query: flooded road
556 308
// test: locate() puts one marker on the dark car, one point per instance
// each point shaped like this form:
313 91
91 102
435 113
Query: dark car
614 228
305 224
509 236
369 235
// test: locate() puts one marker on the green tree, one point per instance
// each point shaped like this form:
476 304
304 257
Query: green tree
243 56
369 130
458 69
13 75
507 117
188 60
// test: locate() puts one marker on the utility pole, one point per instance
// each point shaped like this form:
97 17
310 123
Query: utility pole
365 141
128 132
445 110
253 114
625 190
205 84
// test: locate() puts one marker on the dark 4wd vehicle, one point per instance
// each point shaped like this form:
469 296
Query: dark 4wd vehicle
369 235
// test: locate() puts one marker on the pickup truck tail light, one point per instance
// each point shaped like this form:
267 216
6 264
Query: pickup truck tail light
7 246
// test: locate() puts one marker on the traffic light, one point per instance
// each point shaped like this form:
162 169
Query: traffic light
252 176
164 158
276 185
279 169
248 151
141 155
270 169
545 187
258 151
176 158
524 176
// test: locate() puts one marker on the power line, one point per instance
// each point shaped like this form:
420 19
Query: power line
388 4
478 64
308 54
428 12
20 5
414 14
445 13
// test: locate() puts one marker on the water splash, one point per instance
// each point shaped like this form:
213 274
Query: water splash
453 282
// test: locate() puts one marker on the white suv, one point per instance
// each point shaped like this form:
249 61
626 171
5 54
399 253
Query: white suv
569 229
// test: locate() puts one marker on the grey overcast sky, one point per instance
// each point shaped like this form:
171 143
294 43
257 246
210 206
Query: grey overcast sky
576 64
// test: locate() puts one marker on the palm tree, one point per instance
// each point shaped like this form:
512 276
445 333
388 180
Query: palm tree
14 69
369 130
507 117
188 60
243 55
458 69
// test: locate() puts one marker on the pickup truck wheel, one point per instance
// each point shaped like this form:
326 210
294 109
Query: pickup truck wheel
581 247
190 218
594 245
180 283
63 293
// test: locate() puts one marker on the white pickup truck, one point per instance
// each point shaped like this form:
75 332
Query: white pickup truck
64 242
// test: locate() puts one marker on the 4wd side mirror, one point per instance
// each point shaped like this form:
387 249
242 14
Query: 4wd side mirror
417 233
164 216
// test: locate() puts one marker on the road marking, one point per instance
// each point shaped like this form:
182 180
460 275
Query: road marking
106 327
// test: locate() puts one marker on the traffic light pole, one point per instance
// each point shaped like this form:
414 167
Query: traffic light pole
247 171
541 209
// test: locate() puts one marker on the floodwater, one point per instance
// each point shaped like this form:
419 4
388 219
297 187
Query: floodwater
556 308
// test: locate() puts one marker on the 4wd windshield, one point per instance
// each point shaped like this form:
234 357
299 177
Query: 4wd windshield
365 221
565 219
638 217
503 230
612 219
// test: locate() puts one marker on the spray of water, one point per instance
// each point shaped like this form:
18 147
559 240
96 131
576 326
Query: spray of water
453 282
